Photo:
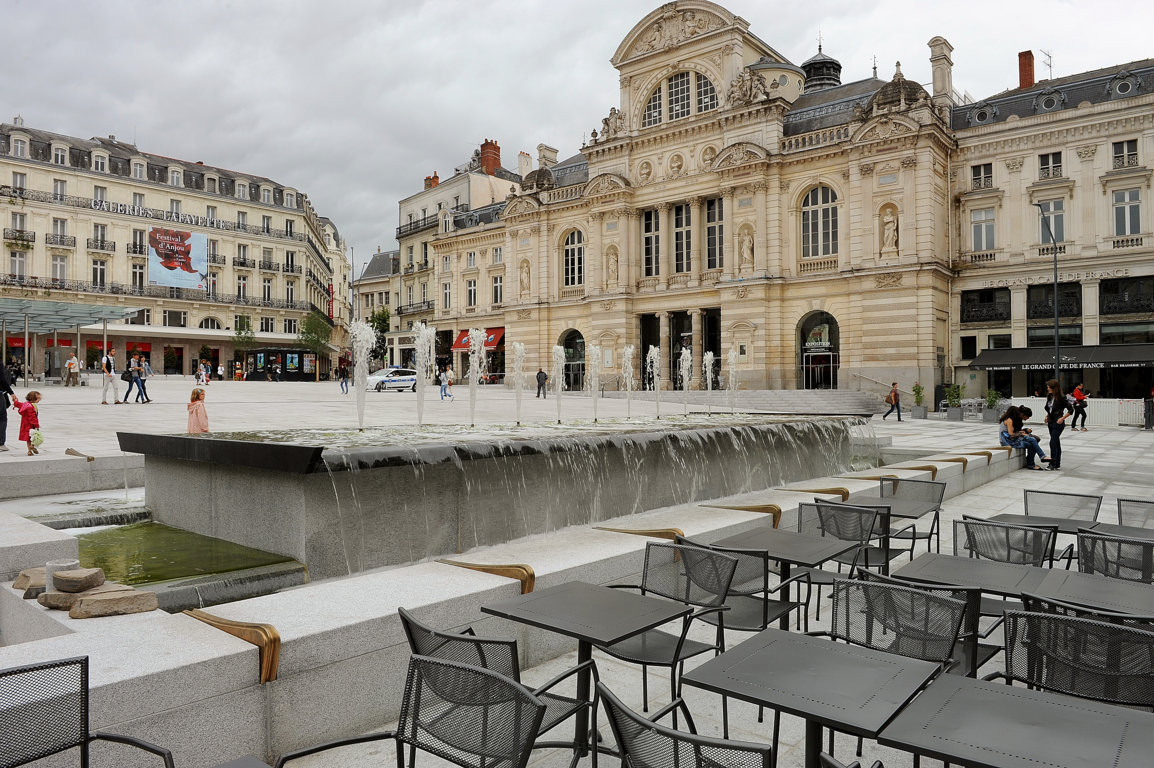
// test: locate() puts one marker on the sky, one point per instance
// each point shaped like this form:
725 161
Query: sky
354 102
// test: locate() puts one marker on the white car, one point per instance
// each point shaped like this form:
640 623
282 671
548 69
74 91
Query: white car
392 378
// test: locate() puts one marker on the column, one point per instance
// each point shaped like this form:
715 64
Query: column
663 333
665 244
695 326
729 239
696 238
595 255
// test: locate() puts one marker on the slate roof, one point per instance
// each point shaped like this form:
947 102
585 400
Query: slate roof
571 170
829 106
380 265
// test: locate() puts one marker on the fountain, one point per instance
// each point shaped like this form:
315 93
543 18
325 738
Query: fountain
518 376
653 364
364 339
707 373
476 367
627 377
558 377
593 355
731 379
426 339
685 370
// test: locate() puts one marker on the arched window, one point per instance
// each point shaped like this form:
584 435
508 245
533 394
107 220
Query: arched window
574 259
819 223
211 323
675 98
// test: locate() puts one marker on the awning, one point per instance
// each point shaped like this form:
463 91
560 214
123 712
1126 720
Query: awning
48 316
1042 358
493 337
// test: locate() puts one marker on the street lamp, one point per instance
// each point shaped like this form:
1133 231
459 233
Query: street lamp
1054 250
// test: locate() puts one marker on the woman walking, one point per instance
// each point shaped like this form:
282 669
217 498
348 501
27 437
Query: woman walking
1057 408
894 398
1079 394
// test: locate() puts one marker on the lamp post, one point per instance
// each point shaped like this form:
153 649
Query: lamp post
1054 250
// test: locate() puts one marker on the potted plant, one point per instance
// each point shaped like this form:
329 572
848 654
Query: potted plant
919 410
992 408
954 402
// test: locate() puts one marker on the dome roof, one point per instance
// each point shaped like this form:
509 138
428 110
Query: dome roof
821 72
898 91
542 178
820 57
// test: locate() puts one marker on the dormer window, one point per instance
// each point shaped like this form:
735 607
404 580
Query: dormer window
210 184
100 163
59 156
19 148
266 196
138 171
174 178
242 190
674 99
290 200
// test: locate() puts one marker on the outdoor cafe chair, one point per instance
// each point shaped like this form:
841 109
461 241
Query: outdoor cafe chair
44 711
645 743
1003 543
1036 604
1116 557
1089 659
473 717
829 761
854 524
917 490
1068 506
1137 513
498 655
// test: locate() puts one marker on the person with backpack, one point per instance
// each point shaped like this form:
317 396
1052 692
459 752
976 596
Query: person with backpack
894 400
108 366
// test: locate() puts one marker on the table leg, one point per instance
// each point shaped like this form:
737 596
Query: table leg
584 677
885 569
783 622
973 615
813 734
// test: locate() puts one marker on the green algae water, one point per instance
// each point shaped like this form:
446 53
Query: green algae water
150 553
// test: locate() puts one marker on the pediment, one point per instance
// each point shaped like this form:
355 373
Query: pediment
521 206
741 153
605 184
670 26
885 127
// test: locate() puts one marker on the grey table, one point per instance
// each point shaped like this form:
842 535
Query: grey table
1063 524
591 614
992 725
1128 531
909 509
852 689
1093 591
788 548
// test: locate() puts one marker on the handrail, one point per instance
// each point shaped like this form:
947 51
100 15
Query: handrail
875 381
264 636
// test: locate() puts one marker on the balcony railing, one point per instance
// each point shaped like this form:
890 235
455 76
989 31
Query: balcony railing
1050 250
1126 242
270 266
648 283
1053 172
681 280
984 182
62 241
1126 304
983 257
1040 310
416 225
20 236
576 292
420 306
152 291
814 266
217 258
292 269
1127 160
242 261
101 245
985 313
140 249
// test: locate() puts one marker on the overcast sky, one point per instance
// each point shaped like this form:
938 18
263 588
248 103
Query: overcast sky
354 102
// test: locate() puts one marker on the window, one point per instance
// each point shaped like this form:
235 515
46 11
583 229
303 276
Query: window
819 223
1043 336
682 238
266 289
59 267
266 224
242 286
1040 301
982 223
210 185
19 221
1053 211
986 306
446 264
498 289
290 200
424 291
60 227
470 293
290 325
574 259
288 227
290 258
99 272
242 191
210 212
59 156
19 181
268 325
497 257
383 297
100 163
1126 153
19 148
982 176
138 170
138 241
290 291
174 180
675 98
999 341
1127 212
446 295
409 294
100 194
266 196
210 286
969 346
650 243
679 104
59 189
143 317
210 323
241 219
471 259
652 114
138 199
100 232
174 206
266 255
241 322
1127 333
1050 166
16 263
138 276
242 251
706 94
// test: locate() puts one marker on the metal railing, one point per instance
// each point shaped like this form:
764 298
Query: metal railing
101 245
242 261
985 313
67 241
416 226
270 266
25 236
139 249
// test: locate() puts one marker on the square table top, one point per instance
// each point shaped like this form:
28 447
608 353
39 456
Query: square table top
589 612
789 546
843 686
1007 579
1063 524
909 509
1094 591
992 725
1127 531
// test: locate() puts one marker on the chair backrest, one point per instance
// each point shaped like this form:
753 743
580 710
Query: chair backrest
848 522
1135 512
1006 543
470 716
1116 557
1081 657
498 655
43 710
751 577
1068 506
829 761
690 575
1036 604
646 744
914 490
902 620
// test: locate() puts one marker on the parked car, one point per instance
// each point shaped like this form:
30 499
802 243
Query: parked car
392 378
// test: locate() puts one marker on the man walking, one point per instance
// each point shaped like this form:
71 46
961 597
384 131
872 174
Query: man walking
72 371
108 366
894 399
542 377
134 379
5 404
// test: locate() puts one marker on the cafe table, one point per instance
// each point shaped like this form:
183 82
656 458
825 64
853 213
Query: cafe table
1125 531
591 614
981 724
845 687
788 548
1063 524
1094 591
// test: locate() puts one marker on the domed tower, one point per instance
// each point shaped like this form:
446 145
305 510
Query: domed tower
897 93
821 72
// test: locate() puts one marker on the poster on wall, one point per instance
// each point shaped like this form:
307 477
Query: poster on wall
292 362
177 259
310 363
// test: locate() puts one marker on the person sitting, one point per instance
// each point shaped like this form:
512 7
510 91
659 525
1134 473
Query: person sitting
1012 433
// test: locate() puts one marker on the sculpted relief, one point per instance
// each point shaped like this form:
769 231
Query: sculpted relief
674 28
747 88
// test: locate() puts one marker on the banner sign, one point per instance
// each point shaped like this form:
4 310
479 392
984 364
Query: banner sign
177 259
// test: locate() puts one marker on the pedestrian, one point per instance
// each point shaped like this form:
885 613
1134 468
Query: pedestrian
5 392
142 371
894 399
449 381
197 415
343 374
1079 407
220 371
542 378
108 367
133 377
29 420
72 371
443 377
1057 408
1011 433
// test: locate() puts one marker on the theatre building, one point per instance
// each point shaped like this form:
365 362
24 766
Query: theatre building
195 250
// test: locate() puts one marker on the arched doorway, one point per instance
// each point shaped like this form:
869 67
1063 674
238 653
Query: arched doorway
574 344
818 351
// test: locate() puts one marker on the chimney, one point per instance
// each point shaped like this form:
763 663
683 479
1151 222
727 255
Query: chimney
1026 69
432 181
524 163
546 156
490 156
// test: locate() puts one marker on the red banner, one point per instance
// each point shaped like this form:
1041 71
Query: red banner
16 341
330 301
63 341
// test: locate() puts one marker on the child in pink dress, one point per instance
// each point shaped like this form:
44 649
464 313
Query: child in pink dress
29 418
197 416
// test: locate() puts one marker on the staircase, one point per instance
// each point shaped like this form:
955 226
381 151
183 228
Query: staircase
815 401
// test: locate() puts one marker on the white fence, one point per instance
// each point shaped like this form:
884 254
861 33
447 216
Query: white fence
1100 411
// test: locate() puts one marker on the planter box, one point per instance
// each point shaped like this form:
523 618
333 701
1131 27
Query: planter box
919 411
990 416
954 414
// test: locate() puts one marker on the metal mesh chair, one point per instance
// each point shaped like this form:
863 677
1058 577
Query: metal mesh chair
1116 557
917 490
1068 506
854 524
829 761
1136 512
498 655
1080 657
1004 543
466 715
644 743
1035 604
691 575
44 711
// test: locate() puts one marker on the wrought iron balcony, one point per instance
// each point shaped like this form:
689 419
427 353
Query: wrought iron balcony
139 249
417 225
984 182
241 261
985 313
1053 172
1126 160
65 241
270 266
420 306
1126 304
19 236
217 258
1040 310
294 269
101 245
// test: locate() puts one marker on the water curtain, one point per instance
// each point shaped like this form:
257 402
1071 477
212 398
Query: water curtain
558 377
627 377
731 379
477 338
364 339
593 356
685 369
707 374
518 376
653 364
426 339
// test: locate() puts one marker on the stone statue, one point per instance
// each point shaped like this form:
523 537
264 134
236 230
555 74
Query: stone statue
747 88
644 172
889 230
612 267
524 276
612 125
675 165
745 249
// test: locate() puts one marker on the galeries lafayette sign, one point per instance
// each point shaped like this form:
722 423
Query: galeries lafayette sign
155 214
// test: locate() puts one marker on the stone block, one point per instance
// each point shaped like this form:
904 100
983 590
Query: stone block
33 593
77 580
29 577
113 604
63 601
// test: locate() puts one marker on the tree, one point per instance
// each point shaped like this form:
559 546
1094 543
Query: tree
242 337
314 335
380 321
